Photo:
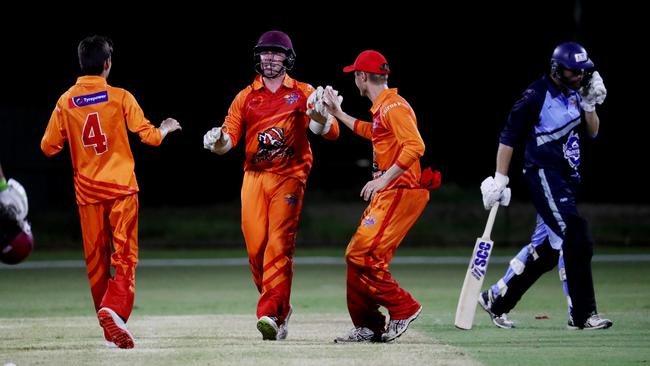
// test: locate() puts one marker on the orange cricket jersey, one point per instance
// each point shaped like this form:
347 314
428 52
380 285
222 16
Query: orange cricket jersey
395 138
274 126
93 116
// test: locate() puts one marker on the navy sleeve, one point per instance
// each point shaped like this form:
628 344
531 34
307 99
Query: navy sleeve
523 116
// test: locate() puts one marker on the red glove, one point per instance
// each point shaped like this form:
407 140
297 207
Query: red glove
430 179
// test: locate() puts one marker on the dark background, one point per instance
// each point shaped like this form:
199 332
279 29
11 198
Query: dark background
460 65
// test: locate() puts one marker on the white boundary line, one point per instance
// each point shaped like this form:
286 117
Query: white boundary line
229 262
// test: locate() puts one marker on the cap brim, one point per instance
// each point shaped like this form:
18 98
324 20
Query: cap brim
349 68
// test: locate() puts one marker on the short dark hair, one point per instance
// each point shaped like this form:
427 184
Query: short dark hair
375 78
378 78
93 52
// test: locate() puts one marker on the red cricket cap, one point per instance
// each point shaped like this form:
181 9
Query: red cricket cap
369 61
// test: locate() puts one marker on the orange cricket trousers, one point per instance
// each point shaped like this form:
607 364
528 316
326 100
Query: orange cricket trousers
110 236
271 207
384 224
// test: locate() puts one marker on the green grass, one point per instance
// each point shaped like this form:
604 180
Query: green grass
404 250
449 220
622 289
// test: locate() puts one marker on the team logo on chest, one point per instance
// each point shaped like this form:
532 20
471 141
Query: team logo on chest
272 145
291 98
571 150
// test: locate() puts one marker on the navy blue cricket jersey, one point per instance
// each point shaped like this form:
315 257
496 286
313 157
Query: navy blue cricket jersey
549 122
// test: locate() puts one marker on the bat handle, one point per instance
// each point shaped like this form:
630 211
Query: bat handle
490 221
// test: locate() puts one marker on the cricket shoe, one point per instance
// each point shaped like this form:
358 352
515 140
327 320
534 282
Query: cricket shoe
283 329
268 326
593 322
108 340
115 327
357 334
397 327
486 299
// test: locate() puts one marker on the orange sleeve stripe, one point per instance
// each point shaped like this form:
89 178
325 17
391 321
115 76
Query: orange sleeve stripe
363 129
356 123
334 131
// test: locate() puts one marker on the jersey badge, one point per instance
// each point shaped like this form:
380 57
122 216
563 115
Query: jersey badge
571 150
291 98
84 100
272 145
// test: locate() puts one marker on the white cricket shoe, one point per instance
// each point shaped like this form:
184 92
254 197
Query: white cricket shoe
268 326
283 329
397 327
593 322
486 299
115 327
357 334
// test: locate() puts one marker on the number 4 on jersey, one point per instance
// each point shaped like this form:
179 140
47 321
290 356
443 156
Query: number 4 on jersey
92 134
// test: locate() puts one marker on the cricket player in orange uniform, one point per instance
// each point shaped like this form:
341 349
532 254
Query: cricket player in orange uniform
272 115
93 118
397 198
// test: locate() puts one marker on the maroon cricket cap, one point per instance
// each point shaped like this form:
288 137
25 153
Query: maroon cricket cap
369 61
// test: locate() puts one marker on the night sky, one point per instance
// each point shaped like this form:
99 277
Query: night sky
460 66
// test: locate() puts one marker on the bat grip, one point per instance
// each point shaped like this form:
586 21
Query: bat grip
490 221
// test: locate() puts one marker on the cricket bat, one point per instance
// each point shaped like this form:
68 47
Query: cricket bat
475 275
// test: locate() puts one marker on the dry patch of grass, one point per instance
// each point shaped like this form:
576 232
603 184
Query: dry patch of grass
211 340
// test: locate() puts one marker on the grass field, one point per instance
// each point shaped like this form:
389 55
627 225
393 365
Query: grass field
206 316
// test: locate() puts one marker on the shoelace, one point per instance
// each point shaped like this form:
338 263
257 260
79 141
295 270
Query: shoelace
396 324
358 333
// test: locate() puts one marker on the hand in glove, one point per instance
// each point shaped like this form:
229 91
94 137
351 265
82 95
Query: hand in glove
593 93
217 141
321 119
14 200
315 101
332 100
169 125
494 189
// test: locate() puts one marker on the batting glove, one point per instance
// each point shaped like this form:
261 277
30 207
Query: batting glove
14 199
494 189
594 93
